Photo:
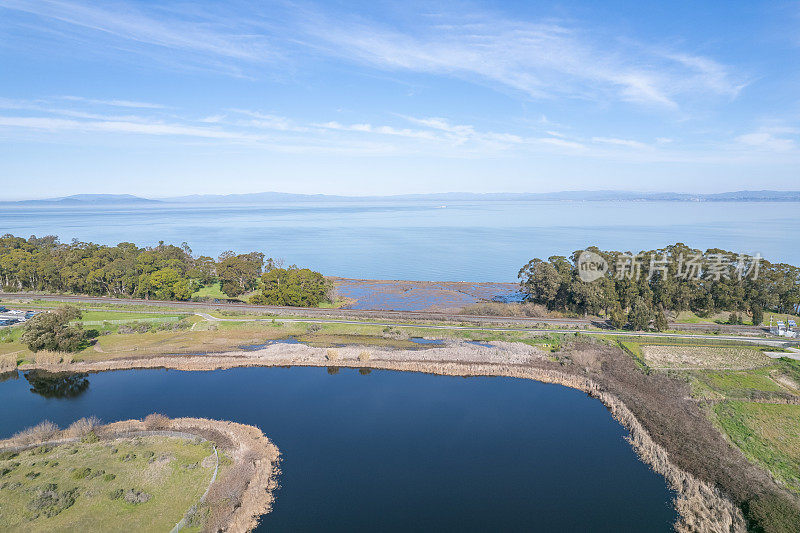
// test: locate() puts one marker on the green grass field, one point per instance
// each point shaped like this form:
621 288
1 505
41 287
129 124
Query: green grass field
210 291
138 484
127 316
768 434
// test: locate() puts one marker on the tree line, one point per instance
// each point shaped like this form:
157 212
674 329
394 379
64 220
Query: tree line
162 272
636 290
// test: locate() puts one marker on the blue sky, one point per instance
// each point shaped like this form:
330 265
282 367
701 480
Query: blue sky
165 98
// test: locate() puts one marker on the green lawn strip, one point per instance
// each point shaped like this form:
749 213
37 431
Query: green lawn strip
100 316
210 291
768 434
740 383
705 343
72 486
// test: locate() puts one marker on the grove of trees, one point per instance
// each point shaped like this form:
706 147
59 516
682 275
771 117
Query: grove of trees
637 288
163 272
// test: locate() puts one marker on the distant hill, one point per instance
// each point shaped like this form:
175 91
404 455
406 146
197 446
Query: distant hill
256 197
572 196
575 196
90 199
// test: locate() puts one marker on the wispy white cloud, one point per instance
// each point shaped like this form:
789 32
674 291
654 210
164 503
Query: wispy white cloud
191 30
115 103
116 126
622 142
770 139
45 121
539 59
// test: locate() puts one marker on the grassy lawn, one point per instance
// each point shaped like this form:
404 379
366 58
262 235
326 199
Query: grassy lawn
768 434
139 484
733 384
688 317
10 344
100 316
210 291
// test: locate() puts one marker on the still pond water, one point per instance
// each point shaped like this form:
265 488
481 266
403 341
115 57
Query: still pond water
392 451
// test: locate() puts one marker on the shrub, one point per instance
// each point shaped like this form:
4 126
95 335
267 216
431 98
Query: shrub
364 356
52 358
52 331
155 421
225 494
109 477
80 473
90 438
49 502
332 355
83 426
37 434
136 496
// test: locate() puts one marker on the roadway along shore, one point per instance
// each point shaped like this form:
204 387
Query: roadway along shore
350 315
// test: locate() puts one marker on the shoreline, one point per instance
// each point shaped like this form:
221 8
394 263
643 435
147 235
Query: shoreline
700 505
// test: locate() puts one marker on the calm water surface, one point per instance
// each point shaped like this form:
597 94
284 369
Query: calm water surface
421 240
391 451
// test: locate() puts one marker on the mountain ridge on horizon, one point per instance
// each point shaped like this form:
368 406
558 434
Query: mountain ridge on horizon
582 195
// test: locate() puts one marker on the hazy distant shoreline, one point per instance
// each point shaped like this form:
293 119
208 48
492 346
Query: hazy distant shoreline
575 196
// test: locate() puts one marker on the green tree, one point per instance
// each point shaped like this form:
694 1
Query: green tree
660 322
52 331
239 274
617 317
298 287
758 315
641 314
167 284
540 281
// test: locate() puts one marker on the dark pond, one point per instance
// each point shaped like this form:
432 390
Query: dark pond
393 451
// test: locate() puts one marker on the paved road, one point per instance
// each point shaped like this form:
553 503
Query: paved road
353 314
327 316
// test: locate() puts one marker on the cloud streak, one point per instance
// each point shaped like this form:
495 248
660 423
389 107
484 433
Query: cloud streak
536 59
409 136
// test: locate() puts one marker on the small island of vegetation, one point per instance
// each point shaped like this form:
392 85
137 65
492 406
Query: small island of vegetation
138 475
